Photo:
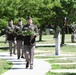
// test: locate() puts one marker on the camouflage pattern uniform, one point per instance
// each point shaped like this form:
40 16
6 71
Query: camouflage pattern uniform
29 43
11 38
19 39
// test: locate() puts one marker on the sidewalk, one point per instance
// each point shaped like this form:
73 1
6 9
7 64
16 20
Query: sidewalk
71 44
18 68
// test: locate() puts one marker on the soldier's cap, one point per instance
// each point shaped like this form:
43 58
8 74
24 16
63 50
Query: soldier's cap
29 17
10 20
19 20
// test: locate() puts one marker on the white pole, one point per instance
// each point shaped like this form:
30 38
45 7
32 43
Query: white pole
57 45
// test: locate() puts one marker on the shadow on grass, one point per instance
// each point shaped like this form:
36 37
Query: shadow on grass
2 41
52 73
17 68
9 66
41 41
71 42
4 48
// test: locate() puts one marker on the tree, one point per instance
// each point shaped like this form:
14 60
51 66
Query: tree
62 9
43 12
69 6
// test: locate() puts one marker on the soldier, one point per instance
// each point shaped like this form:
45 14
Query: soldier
10 36
19 38
29 42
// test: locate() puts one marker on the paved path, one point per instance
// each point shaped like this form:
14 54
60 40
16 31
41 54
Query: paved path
71 44
18 68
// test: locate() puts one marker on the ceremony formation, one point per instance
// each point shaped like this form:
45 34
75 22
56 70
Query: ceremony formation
37 37
23 38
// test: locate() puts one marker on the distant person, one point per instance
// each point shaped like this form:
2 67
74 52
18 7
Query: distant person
10 37
73 28
19 38
29 42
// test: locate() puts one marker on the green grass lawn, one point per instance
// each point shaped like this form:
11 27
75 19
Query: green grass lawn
50 40
2 42
51 50
46 39
57 60
4 65
52 73
63 66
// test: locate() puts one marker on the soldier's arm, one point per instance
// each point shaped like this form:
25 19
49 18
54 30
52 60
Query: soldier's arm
23 29
15 30
6 30
36 31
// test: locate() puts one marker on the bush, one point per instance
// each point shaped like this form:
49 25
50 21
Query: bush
3 23
16 21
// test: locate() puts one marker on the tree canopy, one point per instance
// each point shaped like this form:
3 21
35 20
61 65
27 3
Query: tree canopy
43 12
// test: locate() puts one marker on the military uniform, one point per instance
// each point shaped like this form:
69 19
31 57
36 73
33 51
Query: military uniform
10 37
19 39
29 43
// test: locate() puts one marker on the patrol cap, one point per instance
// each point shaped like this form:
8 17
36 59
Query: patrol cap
10 20
19 20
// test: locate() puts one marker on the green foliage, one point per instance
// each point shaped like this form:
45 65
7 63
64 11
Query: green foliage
3 23
29 32
58 28
23 20
45 12
35 21
19 32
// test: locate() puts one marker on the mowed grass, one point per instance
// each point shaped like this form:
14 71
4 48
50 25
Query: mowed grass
52 73
46 39
58 62
61 60
2 41
63 49
4 65
49 39
49 51
63 66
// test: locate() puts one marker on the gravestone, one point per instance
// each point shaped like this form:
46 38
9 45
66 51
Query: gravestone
57 42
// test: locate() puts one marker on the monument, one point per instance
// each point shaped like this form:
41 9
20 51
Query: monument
57 41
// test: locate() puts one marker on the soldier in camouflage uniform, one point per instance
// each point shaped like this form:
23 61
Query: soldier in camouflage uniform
29 42
19 38
10 36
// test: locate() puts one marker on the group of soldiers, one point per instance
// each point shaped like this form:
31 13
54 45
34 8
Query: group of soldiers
22 37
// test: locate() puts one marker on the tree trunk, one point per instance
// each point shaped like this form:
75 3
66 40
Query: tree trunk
63 36
40 35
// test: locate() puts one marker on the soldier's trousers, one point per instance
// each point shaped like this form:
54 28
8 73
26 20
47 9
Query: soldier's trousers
19 47
29 53
10 42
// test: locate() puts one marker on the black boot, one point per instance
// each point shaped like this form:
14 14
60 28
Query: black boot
27 64
22 57
18 57
31 66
